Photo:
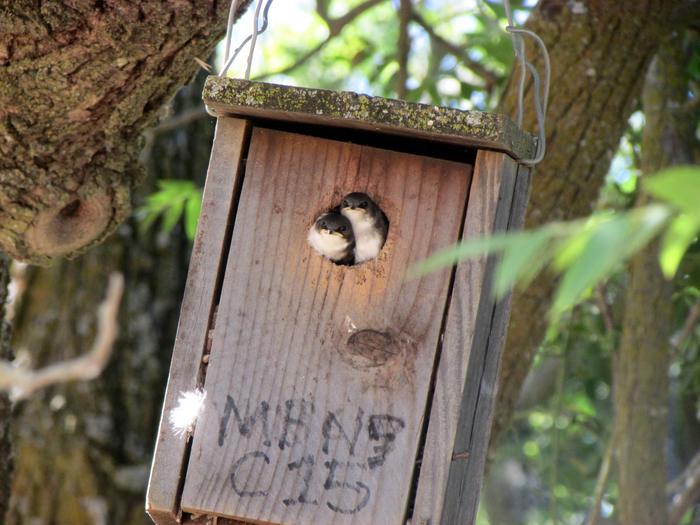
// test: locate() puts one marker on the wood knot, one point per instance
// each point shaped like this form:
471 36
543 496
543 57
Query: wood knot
62 229
373 347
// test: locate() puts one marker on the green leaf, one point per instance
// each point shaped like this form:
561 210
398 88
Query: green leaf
172 216
679 186
599 256
193 208
610 243
679 236
522 260
172 199
460 251
573 242
148 217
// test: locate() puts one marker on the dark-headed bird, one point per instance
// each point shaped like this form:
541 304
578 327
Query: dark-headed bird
369 225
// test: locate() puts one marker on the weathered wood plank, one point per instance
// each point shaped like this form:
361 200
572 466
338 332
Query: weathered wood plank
487 211
319 373
476 409
162 500
342 109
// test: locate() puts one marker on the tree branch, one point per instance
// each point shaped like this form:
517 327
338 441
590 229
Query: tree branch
298 63
601 483
335 26
456 51
688 326
23 382
684 491
404 46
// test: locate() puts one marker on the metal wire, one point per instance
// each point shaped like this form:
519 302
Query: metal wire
541 99
228 60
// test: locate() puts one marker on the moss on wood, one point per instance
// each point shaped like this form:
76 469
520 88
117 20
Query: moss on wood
352 110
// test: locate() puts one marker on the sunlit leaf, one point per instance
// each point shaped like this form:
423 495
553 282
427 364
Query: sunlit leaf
680 234
599 256
679 186
453 254
610 243
522 260
573 245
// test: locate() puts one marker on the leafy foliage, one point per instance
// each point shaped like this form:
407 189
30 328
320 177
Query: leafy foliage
588 251
173 200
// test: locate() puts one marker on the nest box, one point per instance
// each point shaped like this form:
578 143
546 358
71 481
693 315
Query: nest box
338 394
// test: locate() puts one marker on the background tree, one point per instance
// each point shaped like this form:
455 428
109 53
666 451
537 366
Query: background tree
600 53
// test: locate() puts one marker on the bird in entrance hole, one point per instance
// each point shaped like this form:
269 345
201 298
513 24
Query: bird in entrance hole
369 225
332 236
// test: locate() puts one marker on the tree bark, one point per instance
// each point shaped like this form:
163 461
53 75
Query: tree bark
84 449
599 52
79 81
642 361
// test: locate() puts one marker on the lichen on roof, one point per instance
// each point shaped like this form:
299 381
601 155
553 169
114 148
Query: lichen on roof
346 109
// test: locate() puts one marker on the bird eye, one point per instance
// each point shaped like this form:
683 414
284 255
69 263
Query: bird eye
345 204
342 229
323 226
362 205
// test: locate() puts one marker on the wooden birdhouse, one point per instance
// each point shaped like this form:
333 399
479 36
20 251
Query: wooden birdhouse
338 394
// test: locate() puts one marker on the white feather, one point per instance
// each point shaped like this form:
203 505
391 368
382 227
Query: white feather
184 416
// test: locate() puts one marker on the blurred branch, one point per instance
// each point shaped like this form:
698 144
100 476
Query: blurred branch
322 10
601 483
604 309
171 124
684 491
181 120
23 382
688 326
404 46
456 51
335 26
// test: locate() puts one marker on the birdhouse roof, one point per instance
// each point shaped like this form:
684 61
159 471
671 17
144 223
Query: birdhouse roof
343 109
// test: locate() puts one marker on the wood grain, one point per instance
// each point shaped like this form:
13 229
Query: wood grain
298 426
487 211
461 498
223 180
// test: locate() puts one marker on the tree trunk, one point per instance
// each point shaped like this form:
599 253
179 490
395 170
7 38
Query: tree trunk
84 449
6 450
641 364
599 53
79 81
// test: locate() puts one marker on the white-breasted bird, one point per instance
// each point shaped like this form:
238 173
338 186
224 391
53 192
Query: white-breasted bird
369 225
331 235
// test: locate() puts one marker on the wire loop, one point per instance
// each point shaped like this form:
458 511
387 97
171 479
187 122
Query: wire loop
228 60
541 99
